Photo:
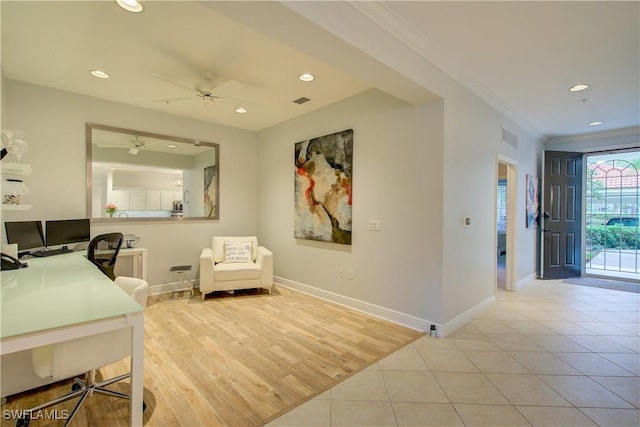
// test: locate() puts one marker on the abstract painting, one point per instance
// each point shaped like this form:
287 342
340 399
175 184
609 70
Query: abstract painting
532 201
323 188
210 191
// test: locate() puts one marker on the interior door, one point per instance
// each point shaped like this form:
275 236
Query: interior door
561 215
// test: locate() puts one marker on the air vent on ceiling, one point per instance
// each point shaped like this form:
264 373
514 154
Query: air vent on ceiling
301 100
509 138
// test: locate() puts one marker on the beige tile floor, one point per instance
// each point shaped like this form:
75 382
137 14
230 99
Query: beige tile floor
552 354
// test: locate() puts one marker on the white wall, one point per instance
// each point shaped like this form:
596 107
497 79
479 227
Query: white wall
471 145
473 141
421 170
397 178
54 122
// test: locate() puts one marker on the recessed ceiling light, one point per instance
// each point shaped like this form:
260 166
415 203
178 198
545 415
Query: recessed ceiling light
100 74
171 146
130 5
306 77
241 110
595 123
578 88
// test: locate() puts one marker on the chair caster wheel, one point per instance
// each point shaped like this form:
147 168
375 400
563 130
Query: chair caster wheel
23 422
75 387
144 406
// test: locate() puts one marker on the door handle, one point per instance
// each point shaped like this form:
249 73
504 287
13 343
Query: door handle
545 215
544 230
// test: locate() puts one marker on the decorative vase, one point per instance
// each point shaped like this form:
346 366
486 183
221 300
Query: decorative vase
13 141
12 191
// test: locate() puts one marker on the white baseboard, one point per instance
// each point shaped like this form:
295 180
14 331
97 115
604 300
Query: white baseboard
462 319
522 283
171 287
394 316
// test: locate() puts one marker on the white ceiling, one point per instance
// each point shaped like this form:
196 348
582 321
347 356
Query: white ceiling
527 54
55 44
519 56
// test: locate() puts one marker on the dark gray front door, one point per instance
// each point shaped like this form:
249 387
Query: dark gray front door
561 215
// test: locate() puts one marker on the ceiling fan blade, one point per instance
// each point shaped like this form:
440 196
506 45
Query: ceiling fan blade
164 79
168 101
107 145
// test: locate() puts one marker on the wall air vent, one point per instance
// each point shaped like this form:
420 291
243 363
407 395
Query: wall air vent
509 138
301 100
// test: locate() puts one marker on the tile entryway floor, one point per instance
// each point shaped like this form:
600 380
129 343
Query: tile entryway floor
551 354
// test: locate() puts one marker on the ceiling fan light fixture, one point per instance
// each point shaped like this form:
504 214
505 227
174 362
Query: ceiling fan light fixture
595 123
100 74
241 110
306 77
134 150
171 146
578 87
130 5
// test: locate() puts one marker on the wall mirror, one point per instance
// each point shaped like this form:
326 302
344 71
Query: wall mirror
137 175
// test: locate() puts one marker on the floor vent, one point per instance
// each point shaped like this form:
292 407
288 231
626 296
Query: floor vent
509 138
301 100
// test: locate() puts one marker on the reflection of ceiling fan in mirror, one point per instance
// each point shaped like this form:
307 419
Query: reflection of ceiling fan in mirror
206 90
137 145
120 141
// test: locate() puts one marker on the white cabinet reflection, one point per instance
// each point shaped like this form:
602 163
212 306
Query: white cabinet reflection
141 175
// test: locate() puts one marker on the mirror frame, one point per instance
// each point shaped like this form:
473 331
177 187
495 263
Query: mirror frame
89 154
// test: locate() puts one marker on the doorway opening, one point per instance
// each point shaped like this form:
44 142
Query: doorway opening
505 224
501 223
612 215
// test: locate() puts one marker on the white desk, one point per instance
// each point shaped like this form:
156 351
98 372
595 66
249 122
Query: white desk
63 297
140 267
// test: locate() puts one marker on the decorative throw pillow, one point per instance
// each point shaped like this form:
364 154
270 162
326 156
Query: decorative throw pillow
237 251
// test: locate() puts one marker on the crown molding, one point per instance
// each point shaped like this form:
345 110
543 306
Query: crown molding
624 135
382 16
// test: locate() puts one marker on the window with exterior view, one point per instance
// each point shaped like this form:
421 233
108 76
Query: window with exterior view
612 215
502 205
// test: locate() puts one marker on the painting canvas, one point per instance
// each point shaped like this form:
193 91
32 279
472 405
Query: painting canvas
532 201
323 188
210 192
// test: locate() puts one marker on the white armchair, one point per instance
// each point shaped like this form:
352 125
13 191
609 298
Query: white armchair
233 263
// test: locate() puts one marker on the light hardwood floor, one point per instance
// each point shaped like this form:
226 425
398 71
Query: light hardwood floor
238 360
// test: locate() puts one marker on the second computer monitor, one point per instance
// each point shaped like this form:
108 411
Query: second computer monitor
67 231
27 234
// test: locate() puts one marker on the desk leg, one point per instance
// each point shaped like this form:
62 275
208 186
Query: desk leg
143 265
136 265
137 370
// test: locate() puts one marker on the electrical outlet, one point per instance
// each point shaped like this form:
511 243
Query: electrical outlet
350 273
375 225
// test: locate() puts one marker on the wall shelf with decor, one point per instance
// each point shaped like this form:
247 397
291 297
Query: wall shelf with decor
12 188
20 169
9 207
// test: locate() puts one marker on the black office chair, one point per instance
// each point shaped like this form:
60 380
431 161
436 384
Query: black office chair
105 261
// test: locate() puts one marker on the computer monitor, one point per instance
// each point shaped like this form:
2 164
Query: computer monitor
66 231
27 234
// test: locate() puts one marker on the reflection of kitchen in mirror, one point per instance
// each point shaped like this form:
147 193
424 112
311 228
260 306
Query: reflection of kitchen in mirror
140 175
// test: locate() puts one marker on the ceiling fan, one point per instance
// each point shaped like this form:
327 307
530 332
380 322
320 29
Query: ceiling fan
134 145
206 90
137 145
